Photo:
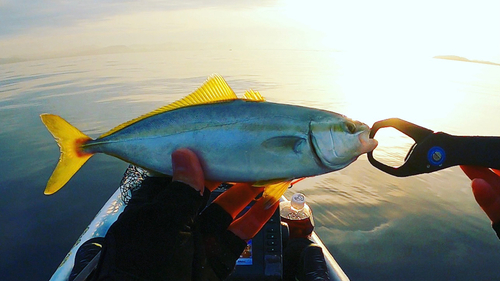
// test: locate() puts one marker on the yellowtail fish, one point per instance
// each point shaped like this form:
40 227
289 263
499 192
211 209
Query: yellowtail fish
236 139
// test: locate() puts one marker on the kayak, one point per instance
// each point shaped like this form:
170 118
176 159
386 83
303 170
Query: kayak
262 262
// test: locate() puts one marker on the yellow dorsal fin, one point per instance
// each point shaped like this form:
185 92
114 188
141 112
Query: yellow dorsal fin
215 89
252 95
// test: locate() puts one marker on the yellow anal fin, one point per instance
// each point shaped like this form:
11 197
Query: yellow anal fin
72 157
273 193
252 95
214 90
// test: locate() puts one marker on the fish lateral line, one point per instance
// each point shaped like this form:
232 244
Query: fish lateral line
102 140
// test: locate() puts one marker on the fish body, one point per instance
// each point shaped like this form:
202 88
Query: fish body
236 140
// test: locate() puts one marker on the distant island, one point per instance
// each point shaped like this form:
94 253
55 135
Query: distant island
457 58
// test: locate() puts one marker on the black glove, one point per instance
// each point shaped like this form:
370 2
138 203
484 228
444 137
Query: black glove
161 236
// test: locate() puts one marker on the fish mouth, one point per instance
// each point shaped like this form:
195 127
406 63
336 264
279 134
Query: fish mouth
367 144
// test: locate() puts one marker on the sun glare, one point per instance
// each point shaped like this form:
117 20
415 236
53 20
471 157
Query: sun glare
377 89
390 46
428 28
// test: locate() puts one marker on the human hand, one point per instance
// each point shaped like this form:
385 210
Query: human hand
162 233
486 189
221 234
187 169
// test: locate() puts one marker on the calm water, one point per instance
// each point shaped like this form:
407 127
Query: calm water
378 227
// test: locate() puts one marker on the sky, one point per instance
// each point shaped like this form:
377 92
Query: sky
388 27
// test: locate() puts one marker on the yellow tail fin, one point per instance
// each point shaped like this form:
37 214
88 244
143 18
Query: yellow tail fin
72 157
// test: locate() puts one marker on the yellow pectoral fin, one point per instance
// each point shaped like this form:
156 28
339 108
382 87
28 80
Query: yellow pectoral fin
273 192
72 157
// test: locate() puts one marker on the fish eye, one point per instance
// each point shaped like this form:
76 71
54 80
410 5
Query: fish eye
350 126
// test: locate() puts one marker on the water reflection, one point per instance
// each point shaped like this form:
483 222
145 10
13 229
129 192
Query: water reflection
393 147
378 227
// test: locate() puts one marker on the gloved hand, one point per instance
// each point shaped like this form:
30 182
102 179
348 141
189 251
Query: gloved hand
163 234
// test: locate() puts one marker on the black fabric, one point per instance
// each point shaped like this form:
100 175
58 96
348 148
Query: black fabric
160 236
85 254
496 227
312 266
222 247
304 261
291 257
